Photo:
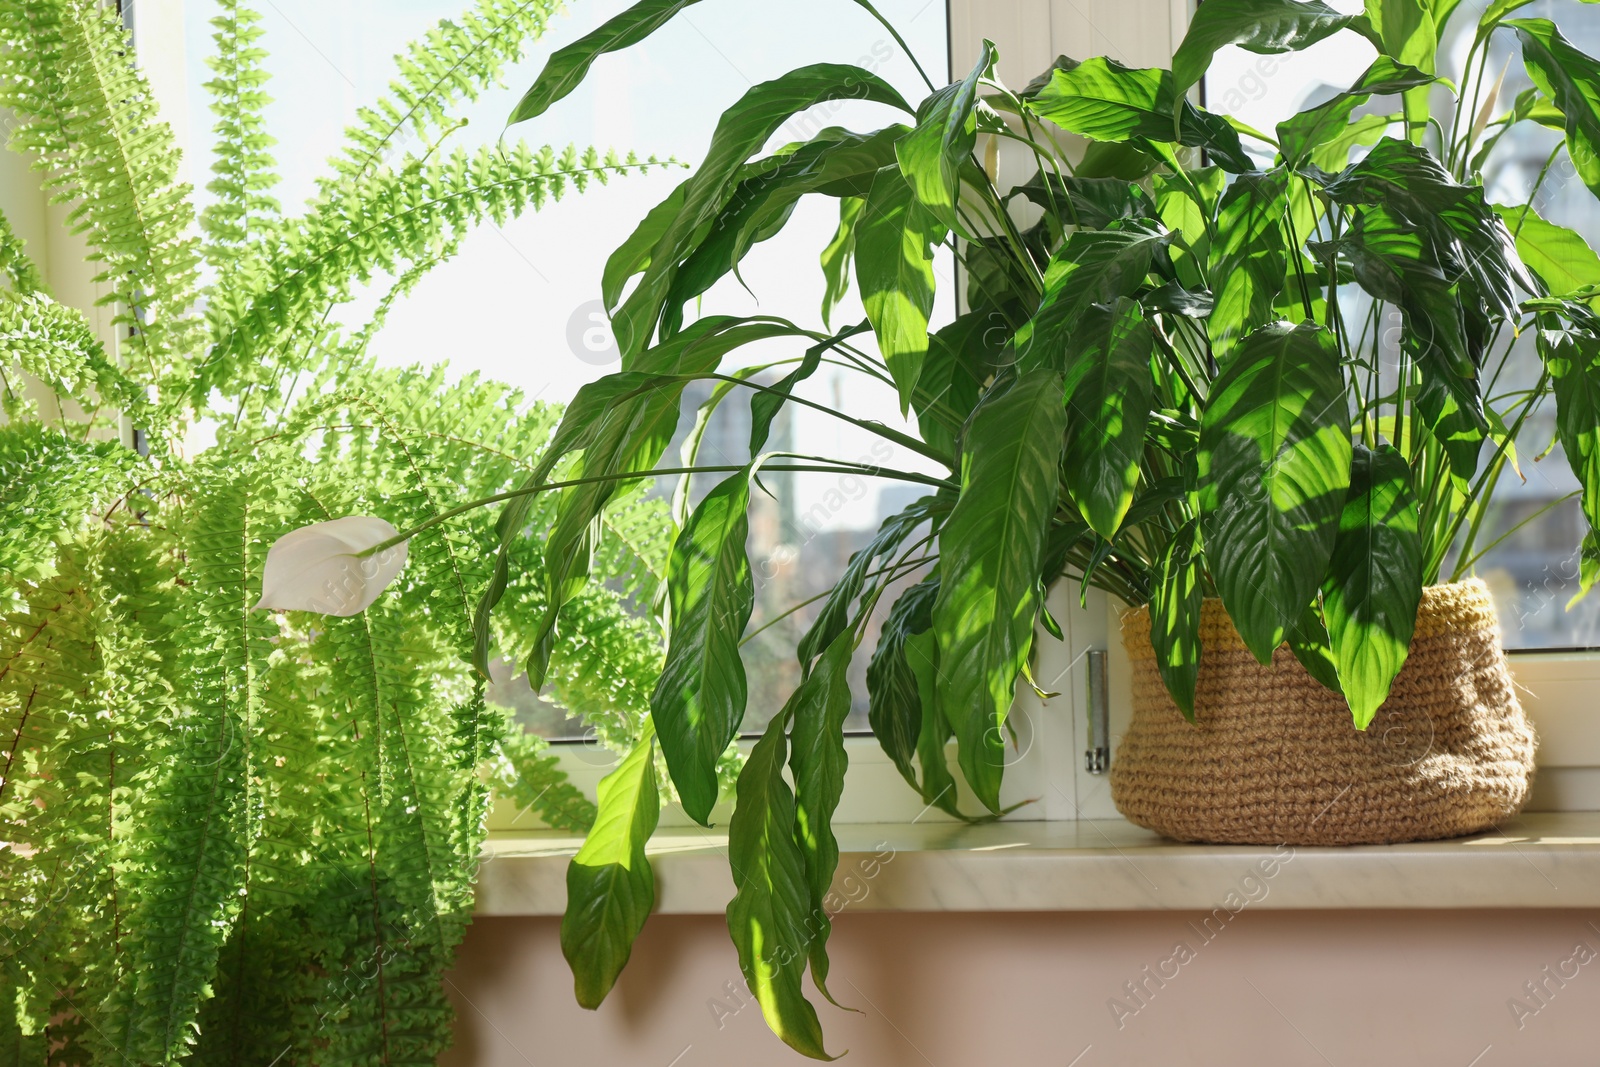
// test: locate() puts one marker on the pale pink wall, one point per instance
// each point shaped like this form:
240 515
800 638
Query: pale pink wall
1018 990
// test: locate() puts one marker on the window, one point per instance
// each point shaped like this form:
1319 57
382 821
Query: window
520 303
1527 549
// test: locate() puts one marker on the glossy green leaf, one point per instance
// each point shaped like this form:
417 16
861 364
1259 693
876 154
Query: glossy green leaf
1404 31
990 550
770 915
1175 616
633 254
742 131
1249 257
1559 256
1300 136
1102 99
1573 359
1267 27
699 699
610 886
962 356
895 236
894 703
1588 567
758 206
933 154
1334 155
1374 582
817 760
1109 391
837 255
566 68
1571 79
1307 638
1274 465
938 784
1093 267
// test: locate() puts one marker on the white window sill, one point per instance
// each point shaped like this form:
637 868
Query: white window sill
1541 860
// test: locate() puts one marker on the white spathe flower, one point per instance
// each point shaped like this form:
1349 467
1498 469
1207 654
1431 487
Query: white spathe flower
319 567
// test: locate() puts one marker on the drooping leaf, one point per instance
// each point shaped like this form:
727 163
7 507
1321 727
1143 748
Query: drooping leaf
990 551
938 784
1249 257
1307 638
1374 581
699 700
770 915
1274 465
1571 79
610 886
567 67
933 154
1102 99
962 356
837 255
895 235
818 761
1175 616
1109 391
1267 27
742 131
894 708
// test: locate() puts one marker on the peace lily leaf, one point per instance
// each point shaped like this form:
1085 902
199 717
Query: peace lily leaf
1307 638
1102 99
894 271
761 204
1175 616
1267 27
932 155
566 69
1368 129
817 709
1274 465
836 257
1588 567
1109 391
633 254
1561 257
1374 582
610 887
1404 31
1093 267
621 426
1249 257
699 699
990 552
1573 358
319 567
894 707
1571 80
741 132
770 916
1300 136
938 784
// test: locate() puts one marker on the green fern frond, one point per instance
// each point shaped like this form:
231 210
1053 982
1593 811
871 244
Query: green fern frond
15 262
242 164
532 780
455 61
86 111
382 224
56 345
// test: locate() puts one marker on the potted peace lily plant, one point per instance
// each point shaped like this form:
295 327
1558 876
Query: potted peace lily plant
1168 385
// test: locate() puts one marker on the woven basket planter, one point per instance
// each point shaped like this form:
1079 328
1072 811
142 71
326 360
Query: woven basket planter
1273 757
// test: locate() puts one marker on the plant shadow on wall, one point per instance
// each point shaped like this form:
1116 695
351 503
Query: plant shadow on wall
231 835
1169 386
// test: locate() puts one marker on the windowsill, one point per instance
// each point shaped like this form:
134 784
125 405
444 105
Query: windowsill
1540 860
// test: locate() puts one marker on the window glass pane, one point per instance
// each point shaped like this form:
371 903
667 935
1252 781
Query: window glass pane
520 303
1533 569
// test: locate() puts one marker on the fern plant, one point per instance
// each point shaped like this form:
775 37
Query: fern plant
229 835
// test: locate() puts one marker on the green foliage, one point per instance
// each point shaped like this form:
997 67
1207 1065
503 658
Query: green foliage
1169 382
233 836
